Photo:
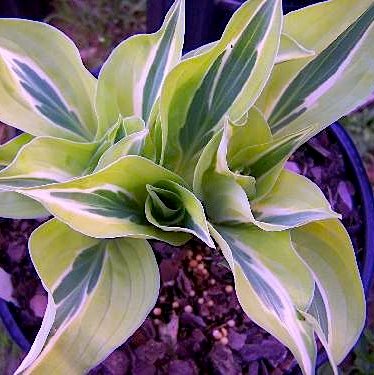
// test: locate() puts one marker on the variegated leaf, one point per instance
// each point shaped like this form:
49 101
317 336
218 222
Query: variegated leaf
226 79
253 131
225 144
9 150
199 50
266 161
326 248
268 292
41 337
119 140
212 168
153 142
291 49
317 317
172 207
315 90
293 201
225 193
237 147
123 127
131 79
261 158
317 309
322 338
44 93
17 206
130 145
225 201
109 203
102 290
226 198
46 160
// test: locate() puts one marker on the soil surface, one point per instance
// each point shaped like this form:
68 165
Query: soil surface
197 326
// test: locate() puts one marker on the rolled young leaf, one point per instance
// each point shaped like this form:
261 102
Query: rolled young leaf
253 131
267 292
109 203
326 248
44 93
224 193
315 91
227 79
172 207
129 125
153 143
9 150
102 289
131 78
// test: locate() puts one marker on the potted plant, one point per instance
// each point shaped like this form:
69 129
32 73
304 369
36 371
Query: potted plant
192 147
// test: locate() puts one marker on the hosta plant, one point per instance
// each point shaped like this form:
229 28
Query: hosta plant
164 146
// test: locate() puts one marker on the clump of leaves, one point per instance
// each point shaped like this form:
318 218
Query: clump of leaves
168 147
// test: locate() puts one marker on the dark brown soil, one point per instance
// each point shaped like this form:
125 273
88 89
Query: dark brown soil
197 326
